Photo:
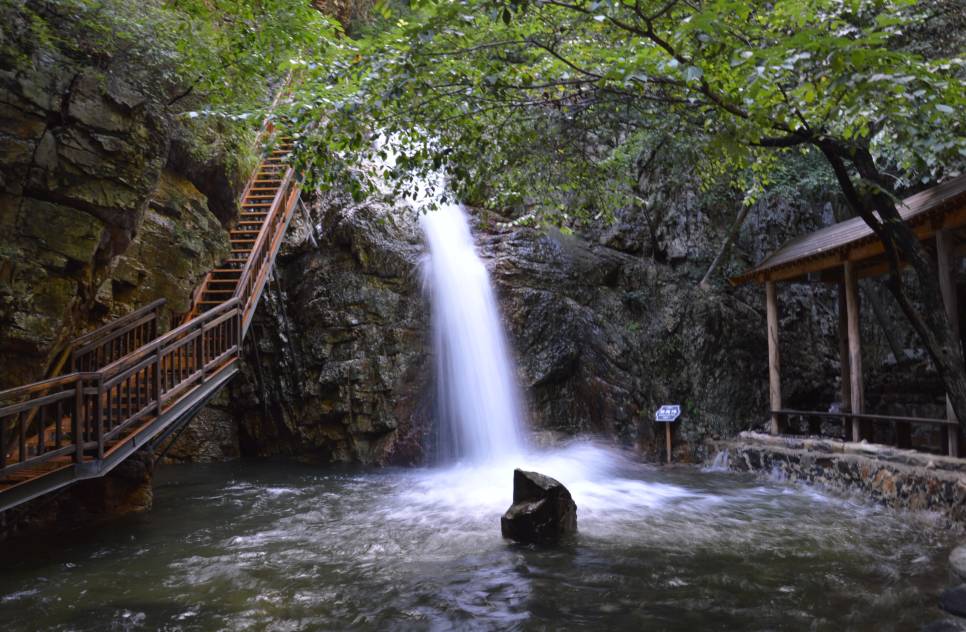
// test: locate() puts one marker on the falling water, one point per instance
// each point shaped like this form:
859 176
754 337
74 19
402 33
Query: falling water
477 401
720 462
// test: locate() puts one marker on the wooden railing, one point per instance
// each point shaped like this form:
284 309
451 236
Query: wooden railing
255 273
115 340
83 414
902 424
87 353
47 405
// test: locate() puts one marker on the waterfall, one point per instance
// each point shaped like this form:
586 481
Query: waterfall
720 462
478 407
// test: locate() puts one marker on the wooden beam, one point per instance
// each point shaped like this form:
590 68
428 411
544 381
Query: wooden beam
774 359
945 248
855 346
845 365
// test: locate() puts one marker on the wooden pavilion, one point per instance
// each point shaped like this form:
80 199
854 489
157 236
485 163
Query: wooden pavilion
841 254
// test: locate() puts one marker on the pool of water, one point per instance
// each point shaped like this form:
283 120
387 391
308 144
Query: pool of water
283 546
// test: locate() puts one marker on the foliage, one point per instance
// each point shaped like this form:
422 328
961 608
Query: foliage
213 63
554 105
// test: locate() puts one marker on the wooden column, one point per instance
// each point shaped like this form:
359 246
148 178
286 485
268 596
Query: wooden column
944 253
774 359
855 347
845 365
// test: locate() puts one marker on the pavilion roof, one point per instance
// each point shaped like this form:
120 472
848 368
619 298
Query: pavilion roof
942 206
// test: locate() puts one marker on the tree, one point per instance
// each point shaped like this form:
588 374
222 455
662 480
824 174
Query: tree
597 85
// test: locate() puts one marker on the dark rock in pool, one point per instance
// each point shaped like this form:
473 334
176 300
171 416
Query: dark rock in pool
542 510
953 601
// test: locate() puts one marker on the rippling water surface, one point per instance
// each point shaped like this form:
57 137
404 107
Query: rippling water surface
280 546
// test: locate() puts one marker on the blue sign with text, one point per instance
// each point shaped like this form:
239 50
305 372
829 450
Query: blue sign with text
668 413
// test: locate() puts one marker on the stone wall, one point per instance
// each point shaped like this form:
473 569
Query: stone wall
903 479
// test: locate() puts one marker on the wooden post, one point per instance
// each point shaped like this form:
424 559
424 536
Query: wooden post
774 359
855 347
77 421
158 381
667 428
945 249
99 415
845 365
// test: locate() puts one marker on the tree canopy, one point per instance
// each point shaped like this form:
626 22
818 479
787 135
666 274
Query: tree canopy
556 105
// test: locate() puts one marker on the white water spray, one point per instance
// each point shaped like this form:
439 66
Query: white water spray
478 407
719 464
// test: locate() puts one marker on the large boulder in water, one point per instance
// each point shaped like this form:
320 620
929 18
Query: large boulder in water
542 510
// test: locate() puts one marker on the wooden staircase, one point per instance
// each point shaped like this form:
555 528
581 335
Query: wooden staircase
130 387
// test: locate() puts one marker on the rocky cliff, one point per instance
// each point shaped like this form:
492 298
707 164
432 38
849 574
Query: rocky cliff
604 331
104 206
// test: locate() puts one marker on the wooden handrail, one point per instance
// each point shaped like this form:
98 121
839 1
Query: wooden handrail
265 256
43 385
172 335
118 322
87 410
263 235
116 339
785 412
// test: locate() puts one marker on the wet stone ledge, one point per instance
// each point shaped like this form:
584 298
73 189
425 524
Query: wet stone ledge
903 479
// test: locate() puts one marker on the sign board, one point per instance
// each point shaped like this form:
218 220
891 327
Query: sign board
668 413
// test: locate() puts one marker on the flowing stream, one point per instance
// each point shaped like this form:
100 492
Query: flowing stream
282 546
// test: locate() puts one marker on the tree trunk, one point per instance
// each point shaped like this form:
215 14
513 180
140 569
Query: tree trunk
902 245
706 279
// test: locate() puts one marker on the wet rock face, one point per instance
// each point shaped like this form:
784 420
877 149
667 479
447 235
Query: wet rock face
92 223
542 511
210 437
603 338
339 367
